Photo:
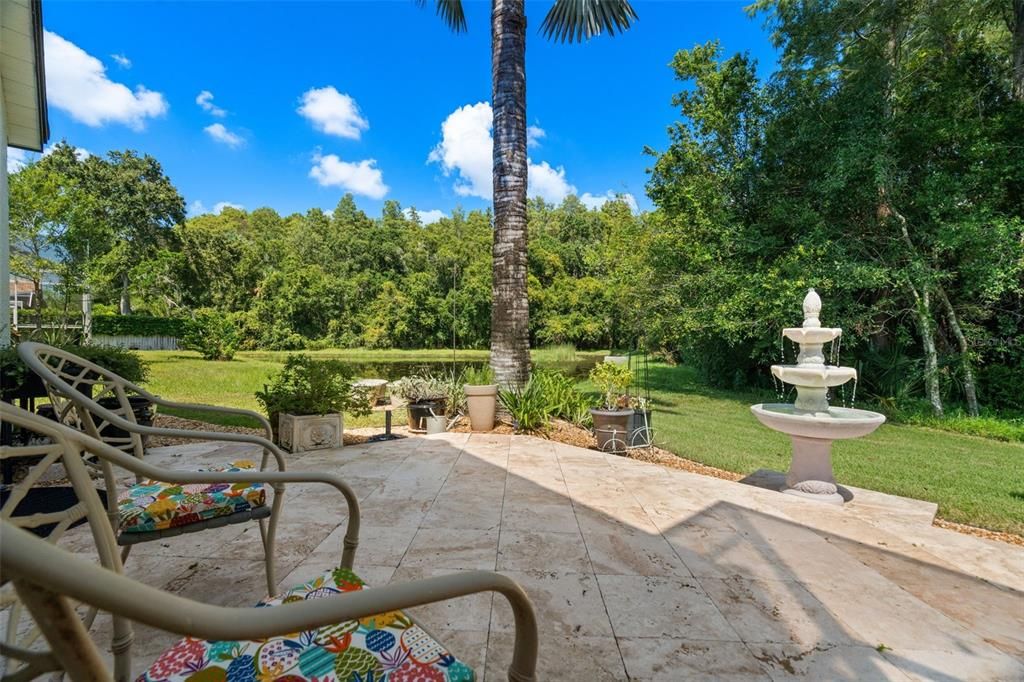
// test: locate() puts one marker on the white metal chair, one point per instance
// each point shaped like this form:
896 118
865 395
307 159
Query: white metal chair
329 628
159 508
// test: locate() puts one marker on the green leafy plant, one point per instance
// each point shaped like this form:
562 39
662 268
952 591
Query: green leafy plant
527 405
419 388
613 380
306 385
138 325
212 333
481 375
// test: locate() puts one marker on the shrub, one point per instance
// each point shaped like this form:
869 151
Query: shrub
481 375
138 325
120 361
613 380
547 395
212 333
312 386
419 387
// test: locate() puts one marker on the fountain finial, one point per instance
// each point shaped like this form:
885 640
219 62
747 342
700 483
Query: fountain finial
812 307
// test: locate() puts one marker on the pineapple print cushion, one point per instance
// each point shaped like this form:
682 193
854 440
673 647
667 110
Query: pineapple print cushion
387 647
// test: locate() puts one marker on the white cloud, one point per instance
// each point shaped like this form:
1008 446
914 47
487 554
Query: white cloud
122 61
17 159
360 177
198 208
333 112
534 134
221 134
598 200
426 217
77 83
205 101
465 149
548 183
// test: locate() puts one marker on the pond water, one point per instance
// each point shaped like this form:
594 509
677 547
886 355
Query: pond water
396 369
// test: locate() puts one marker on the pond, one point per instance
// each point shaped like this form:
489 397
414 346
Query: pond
396 369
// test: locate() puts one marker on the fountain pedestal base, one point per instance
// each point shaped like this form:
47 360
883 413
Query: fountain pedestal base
810 473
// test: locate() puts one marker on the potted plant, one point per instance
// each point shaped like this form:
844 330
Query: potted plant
306 401
640 423
481 397
611 419
425 396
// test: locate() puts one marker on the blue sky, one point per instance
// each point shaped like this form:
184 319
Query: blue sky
310 100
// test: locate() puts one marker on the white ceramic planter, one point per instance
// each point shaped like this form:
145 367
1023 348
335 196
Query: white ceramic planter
299 433
481 401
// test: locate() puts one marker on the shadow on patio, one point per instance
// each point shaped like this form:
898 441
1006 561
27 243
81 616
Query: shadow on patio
636 571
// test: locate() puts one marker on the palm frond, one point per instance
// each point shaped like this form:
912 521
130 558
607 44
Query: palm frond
578 20
451 13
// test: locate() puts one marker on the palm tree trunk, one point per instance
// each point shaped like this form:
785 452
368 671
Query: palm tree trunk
510 312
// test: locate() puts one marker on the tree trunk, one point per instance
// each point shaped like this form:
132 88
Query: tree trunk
510 312
970 392
931 356
1018 50
126 300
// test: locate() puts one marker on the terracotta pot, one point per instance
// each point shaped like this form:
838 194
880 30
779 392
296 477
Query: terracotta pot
481 401
611 428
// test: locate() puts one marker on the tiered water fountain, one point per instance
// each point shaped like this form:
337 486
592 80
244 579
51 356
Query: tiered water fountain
810 422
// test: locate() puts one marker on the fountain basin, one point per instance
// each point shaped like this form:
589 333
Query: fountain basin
837 423
812 335
814 377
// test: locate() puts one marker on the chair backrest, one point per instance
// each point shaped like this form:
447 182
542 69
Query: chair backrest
86 396
49 445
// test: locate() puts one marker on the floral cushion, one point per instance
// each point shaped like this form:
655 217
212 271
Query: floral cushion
152 505
385 648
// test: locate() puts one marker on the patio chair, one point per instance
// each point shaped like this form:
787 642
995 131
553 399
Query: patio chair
159 508
329 628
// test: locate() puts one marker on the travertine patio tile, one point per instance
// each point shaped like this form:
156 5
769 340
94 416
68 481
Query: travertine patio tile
317 565
562 657
294 541
775 611
469 646
976 663
721 554
524 515
826 662
662 659
539 550
472 612
472 513
567 604
646 606
453 548
378 510
379 545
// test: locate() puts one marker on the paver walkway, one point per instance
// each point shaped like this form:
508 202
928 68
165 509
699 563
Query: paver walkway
636 571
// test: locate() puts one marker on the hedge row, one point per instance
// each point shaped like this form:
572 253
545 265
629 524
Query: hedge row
137 325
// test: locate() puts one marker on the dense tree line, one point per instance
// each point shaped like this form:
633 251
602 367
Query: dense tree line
881 163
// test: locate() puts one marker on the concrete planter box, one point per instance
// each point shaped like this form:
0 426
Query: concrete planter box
299 433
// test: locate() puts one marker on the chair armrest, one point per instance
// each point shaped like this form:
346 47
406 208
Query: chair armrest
227 436
31 560
198 407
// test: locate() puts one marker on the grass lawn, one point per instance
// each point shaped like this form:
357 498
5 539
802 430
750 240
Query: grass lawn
974 480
